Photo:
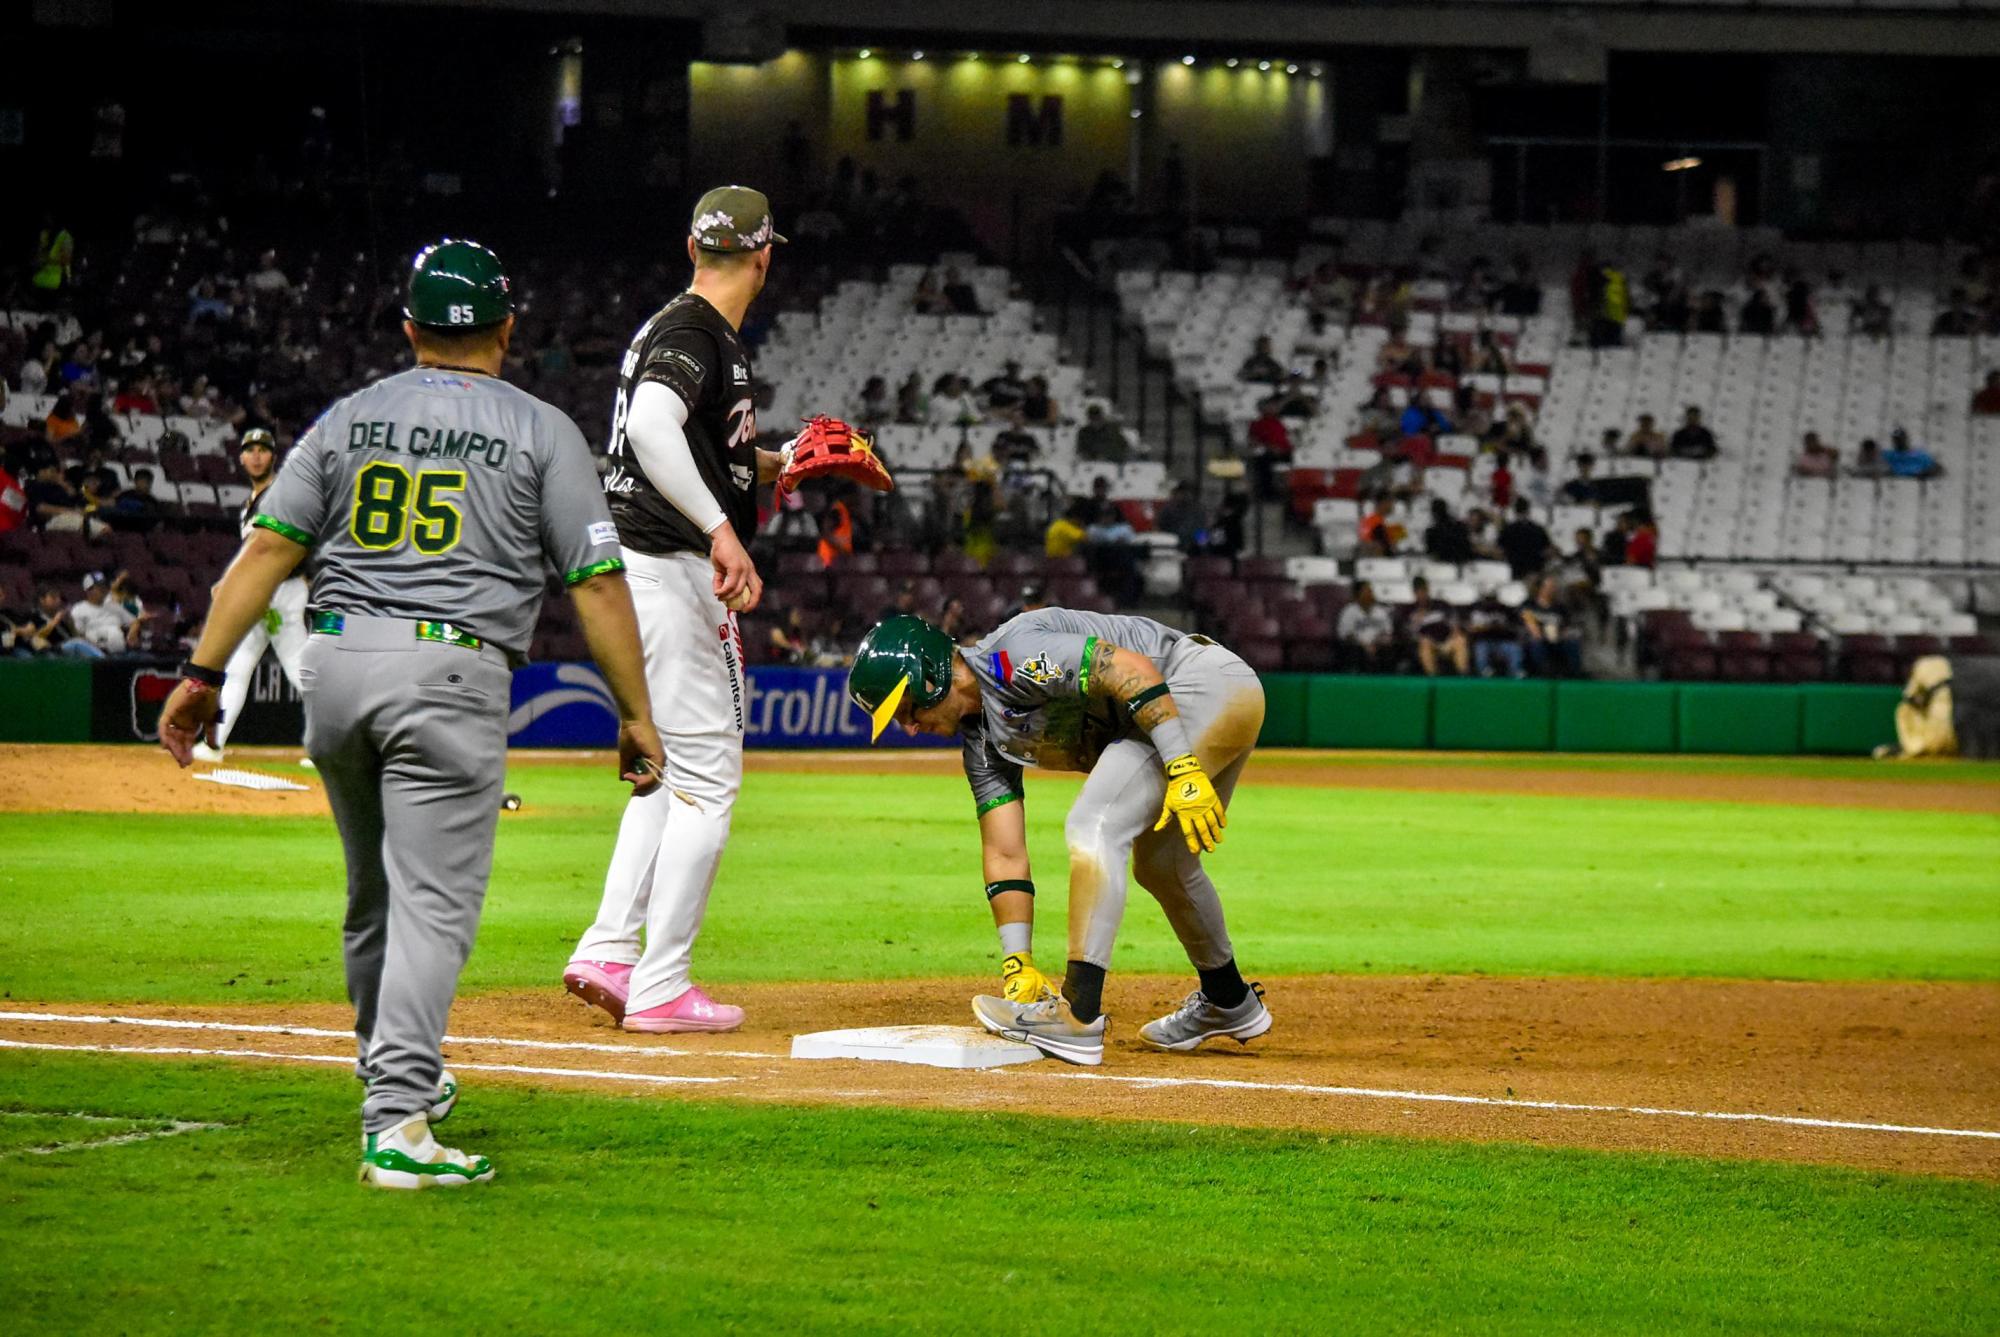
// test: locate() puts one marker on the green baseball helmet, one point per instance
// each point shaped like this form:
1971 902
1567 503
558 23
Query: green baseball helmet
458 285
903 656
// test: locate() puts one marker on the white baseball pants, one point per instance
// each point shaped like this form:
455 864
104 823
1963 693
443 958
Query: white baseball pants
283 627
670 841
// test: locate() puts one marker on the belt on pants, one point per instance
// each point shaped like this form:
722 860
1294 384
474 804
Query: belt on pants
389 632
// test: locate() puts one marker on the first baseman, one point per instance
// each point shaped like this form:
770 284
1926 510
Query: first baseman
428 503
283 626
683 490
1162 723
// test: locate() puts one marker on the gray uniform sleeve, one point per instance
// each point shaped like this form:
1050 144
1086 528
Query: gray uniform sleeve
299 505
577 533
1039 661
995 781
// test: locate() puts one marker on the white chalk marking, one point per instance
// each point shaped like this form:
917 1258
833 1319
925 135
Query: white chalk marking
174 1128
318 1033
1559 1106
649 1078
1282 1088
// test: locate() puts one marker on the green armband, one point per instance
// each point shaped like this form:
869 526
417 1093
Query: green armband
1141 699
1009 884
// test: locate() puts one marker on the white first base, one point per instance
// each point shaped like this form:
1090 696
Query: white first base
932 1046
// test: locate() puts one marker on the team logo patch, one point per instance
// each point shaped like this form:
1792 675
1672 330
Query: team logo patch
603 531
1039 671
1000 665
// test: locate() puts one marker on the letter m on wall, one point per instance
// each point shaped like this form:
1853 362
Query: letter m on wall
899 115
1032 128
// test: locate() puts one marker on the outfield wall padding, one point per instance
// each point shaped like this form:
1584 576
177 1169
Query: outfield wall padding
46 700
1842 718
1727 717
1368 712
1616 717
1494 715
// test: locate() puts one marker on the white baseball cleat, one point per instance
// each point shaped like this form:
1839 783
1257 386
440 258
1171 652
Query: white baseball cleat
410 1158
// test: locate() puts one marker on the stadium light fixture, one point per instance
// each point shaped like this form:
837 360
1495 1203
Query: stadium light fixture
916 55
1136 113
1117 64
1680 164
1232 62
1187 60
865 53
1291 69
1315 69
1023 58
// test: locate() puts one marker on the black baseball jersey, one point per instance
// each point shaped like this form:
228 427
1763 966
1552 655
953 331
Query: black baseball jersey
688 347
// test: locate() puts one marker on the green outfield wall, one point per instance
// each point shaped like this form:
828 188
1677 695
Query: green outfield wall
1536 715
59 701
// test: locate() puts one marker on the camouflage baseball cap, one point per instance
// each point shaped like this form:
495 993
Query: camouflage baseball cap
733 218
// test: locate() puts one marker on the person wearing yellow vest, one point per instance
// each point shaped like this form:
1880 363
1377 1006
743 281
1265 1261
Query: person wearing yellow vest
55 251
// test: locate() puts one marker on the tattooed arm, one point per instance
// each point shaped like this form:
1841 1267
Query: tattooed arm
1123 676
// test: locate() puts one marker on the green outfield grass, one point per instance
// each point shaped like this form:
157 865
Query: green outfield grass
866 877
851 1220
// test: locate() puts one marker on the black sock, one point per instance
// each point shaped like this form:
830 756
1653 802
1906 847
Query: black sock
1224 985
1083 985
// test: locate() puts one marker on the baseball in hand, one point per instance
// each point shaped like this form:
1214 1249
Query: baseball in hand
735 602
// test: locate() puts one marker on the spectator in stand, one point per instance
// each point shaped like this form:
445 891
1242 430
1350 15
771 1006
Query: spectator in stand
959 296
1112 548
1666 295
55 507
63 421
1904 460
952 621
952 403
904 604
1987 398
1801 316
1495 632
1101 505
1759 314
1816 459
1067 531
1868 460
1485 544
1582 570
1101 439
1692 440
1525 544
1582 489
1500 483
1514 432
137 510
1642 539
1647 439
1447 539
872 407
1036 405
1365 635
1380 416
1295 398
1422 418
928 300
1270 445
1399 356
1957 319
136 397
105 622
1872 314
1432 628
791 639
832 647
1554 647
1015 444
1537 482
912 404
1005 391
1232 518
1261 365
55 634
1488 357
1380 535
1180 515
1709 317
1615 539
18 626
1519 294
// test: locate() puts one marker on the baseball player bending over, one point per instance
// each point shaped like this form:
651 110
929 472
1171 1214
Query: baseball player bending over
428 502
283 625
1162 722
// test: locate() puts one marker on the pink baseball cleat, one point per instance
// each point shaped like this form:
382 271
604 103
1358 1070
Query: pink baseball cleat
692 1011
604 984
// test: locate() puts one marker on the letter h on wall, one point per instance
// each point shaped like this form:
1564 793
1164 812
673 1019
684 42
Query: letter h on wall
901 115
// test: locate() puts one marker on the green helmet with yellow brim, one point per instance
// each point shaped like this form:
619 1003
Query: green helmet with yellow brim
903 656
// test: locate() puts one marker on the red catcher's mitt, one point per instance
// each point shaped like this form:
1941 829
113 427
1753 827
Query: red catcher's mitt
829 448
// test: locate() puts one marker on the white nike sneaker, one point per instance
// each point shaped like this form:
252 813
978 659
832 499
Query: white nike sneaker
410 1158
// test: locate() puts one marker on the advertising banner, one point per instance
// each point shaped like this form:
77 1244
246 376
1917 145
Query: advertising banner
126 696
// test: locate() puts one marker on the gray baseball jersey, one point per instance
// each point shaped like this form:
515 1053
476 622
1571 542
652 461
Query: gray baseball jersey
1034 677
435 493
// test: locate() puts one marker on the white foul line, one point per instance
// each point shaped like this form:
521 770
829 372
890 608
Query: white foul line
1290 1088
174 1128
649 1078
318 1033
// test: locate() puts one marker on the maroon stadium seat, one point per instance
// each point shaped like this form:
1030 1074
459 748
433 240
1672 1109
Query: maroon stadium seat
1309 656
1690 663
1971 645
903 565
1266 656
1751 664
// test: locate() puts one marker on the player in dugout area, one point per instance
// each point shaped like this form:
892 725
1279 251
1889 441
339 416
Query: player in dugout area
1161 722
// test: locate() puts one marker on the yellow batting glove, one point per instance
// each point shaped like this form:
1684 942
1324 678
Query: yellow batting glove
1021 983
1193 799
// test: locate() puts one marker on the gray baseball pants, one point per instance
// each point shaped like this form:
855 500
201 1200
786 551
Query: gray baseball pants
1221 702
410 737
